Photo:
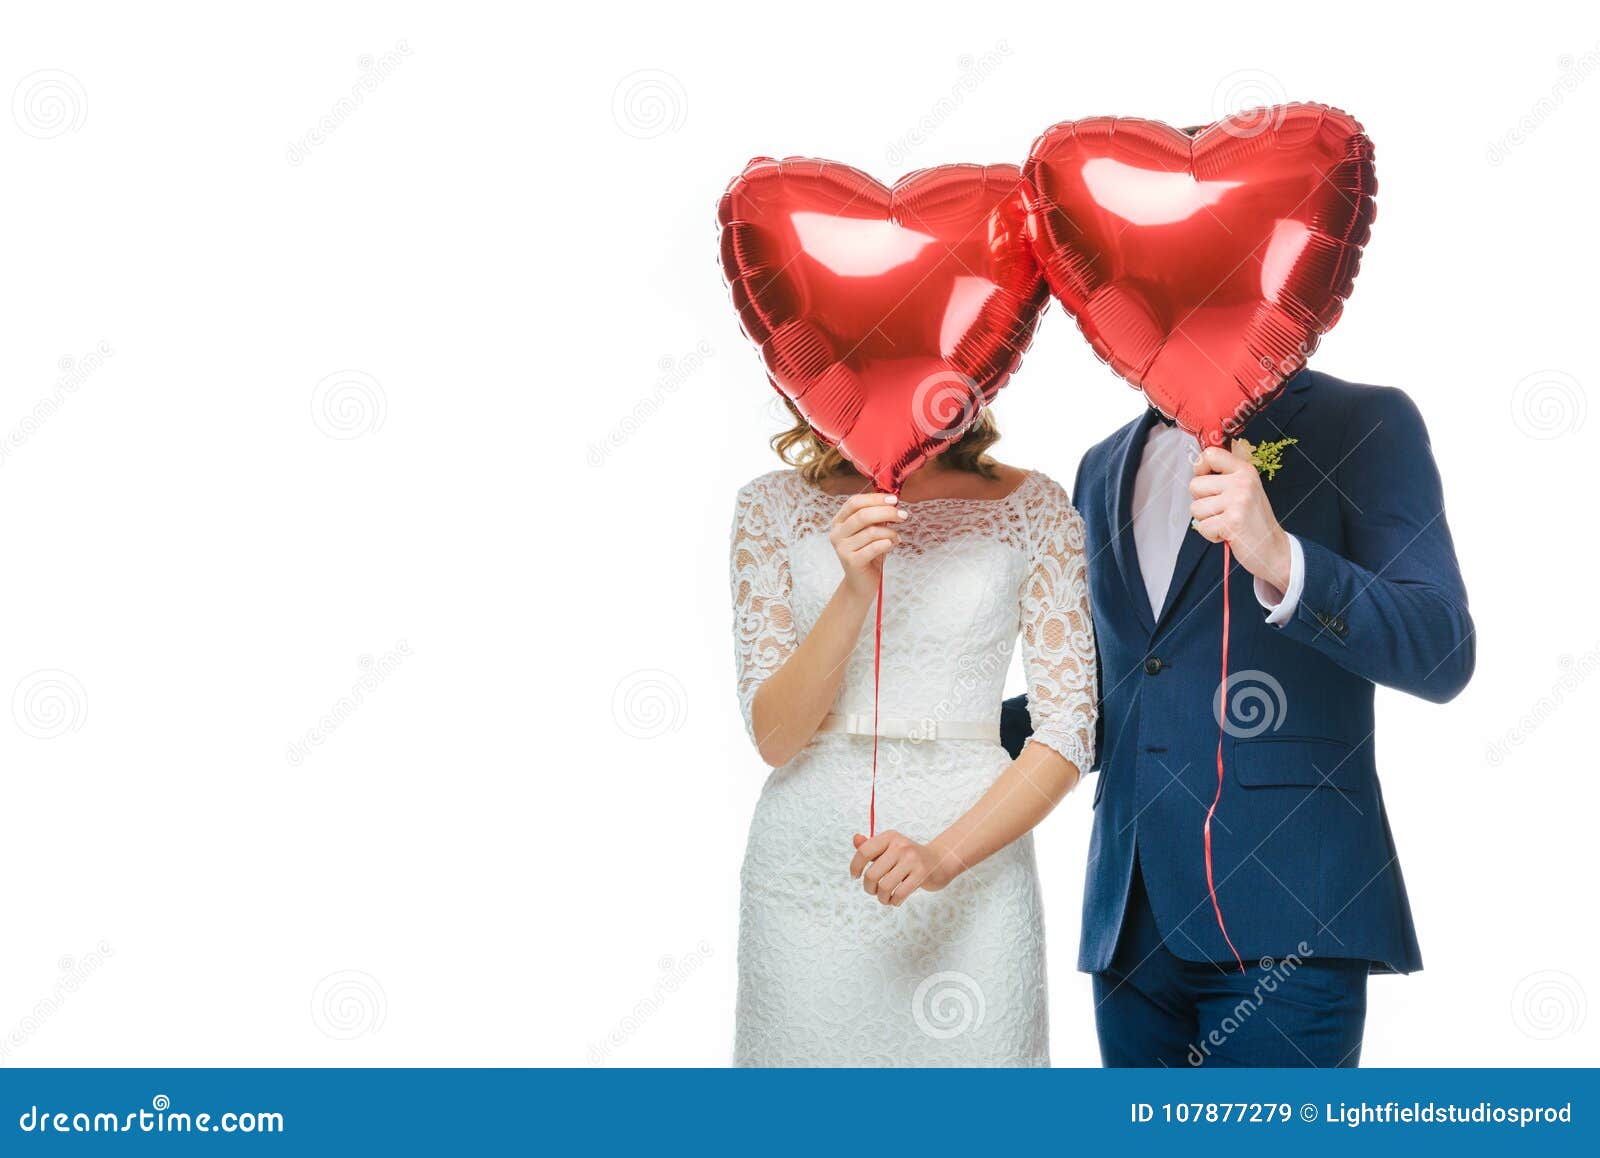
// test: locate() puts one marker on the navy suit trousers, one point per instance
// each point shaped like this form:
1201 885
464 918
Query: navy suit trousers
1153 1008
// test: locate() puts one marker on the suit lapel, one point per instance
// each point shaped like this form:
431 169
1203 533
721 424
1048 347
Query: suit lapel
1193 549
1273 421
1119 503
1270 423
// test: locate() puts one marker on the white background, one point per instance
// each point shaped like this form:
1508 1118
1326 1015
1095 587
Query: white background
459 384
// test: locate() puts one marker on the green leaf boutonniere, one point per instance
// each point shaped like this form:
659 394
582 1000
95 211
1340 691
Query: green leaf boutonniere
1267 457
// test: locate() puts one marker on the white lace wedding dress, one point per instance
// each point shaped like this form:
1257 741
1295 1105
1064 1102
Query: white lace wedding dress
827 974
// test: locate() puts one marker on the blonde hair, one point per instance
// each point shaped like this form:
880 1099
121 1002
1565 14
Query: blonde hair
816 460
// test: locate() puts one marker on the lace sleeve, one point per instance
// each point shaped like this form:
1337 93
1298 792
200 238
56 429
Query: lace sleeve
1058 652
763 626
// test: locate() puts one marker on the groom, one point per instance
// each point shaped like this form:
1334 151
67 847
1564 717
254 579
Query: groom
1357 585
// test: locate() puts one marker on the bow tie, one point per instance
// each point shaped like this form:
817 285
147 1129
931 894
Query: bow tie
1161 418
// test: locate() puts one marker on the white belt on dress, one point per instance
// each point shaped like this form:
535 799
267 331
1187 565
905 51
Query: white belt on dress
892 728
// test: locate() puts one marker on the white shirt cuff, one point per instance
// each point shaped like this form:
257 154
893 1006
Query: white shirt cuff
1280 605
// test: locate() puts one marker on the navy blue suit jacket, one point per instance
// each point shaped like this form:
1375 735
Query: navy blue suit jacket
1303 855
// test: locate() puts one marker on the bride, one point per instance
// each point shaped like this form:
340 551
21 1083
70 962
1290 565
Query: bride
923 945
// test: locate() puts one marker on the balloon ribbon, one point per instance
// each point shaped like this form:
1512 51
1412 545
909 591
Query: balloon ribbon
1222 730
877 655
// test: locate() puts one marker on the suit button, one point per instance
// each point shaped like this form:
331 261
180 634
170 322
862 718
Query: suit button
1152 666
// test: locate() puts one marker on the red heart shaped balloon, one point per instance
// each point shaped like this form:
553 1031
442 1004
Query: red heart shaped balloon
890 317
1204 268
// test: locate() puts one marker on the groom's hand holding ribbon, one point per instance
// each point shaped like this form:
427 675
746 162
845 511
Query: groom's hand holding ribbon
1230 504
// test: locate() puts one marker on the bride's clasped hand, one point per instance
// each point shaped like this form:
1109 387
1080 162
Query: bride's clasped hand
891 866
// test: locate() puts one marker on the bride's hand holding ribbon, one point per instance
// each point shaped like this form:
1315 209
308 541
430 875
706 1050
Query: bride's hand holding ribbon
863 533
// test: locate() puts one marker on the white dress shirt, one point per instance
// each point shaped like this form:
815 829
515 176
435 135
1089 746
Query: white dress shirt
1161 502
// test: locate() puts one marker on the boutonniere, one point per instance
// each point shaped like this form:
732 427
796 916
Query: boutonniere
1267 457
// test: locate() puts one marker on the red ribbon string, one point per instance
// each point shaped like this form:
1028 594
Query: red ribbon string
877 654
1222 730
